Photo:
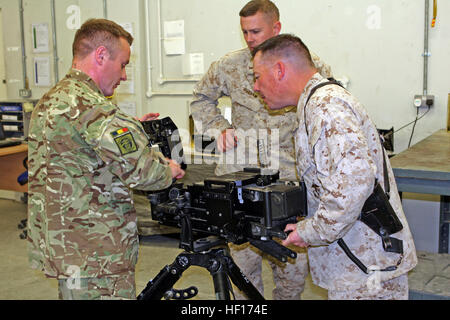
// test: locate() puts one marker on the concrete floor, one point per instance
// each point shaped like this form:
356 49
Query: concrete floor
20 282
429 280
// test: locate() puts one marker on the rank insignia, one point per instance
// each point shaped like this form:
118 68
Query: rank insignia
125 141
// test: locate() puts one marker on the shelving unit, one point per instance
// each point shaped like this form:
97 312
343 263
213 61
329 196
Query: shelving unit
15 117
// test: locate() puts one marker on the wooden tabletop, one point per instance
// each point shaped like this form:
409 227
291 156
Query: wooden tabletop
14 149
427 163
430 154
11 166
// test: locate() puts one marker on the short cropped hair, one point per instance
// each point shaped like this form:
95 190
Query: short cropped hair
286 46
265 6
98 32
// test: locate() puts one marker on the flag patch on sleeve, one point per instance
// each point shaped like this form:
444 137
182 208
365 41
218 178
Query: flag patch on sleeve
124 141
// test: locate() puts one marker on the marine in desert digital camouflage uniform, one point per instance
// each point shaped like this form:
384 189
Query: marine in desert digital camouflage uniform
339 156
232 76
84 156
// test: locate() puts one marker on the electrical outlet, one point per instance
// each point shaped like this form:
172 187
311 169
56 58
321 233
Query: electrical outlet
421 100
25 93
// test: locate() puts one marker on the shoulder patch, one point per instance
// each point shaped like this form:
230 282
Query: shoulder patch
119 132
124 141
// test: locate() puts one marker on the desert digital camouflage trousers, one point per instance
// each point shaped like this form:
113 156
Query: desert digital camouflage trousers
289 278
395 289
115 287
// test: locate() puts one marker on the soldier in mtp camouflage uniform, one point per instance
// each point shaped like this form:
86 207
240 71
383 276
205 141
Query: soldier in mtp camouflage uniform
84 155
232 76
339 156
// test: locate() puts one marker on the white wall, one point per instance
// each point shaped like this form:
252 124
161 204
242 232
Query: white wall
377 44
385 65
382 59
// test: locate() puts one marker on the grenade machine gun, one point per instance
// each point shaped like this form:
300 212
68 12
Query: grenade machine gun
249 206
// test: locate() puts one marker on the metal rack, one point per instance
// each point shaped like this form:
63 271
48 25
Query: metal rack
15 117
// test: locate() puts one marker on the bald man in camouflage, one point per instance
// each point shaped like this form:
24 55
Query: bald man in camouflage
232 76
341 158
84 156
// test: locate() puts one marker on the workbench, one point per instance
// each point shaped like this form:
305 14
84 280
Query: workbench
425 168
11 167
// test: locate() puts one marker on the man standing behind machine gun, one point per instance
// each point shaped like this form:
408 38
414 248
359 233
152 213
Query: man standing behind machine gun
359 243
232 76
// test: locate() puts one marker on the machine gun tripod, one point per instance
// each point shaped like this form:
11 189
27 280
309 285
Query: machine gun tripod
211 253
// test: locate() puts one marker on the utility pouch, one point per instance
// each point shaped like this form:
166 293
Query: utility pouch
378 214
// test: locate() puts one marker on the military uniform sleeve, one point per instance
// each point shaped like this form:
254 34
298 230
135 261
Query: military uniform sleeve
323 68
345 173
204 110
121 142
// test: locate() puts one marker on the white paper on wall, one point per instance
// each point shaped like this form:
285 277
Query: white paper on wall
40 37
193 64
42 71
174 42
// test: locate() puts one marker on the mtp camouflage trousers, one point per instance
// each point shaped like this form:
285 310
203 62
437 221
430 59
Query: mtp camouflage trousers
114 287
